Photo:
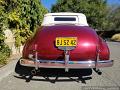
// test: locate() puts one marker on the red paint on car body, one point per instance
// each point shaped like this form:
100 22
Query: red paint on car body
89 43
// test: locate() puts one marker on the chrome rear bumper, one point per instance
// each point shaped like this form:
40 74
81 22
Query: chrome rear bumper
70 64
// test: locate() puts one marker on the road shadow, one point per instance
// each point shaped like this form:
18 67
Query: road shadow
78 75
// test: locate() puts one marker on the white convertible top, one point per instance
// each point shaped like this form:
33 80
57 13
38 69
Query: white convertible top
64 18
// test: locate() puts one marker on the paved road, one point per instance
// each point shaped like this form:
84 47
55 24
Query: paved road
109 80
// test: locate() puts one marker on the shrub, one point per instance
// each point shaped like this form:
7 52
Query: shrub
116 37
4 54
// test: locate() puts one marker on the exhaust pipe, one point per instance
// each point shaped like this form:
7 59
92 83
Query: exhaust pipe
97 71
33 72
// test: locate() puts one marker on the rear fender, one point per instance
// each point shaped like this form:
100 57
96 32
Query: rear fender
104 53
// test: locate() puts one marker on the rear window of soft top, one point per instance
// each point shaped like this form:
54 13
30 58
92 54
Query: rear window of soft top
64 19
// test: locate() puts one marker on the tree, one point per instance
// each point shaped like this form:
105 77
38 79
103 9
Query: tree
2 21
24 16
114 19
95 10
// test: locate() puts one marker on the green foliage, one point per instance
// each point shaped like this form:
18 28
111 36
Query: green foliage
21 36
4 54
21 16
24 16
2 21
114 19
4 49
95 10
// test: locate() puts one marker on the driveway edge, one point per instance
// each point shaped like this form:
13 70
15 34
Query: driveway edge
9 68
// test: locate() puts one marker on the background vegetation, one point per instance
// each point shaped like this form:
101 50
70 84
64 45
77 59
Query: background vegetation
22 17
99 14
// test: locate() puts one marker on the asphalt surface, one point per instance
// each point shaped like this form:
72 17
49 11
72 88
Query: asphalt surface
58 80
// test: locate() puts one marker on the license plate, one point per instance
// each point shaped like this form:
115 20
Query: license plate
66 41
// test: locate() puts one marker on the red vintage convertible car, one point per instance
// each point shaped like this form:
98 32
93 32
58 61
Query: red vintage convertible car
65 40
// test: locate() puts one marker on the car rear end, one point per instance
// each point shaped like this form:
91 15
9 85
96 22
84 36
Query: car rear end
66 41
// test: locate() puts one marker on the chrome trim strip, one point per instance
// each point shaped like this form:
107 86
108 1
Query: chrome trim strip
105 61
74 62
